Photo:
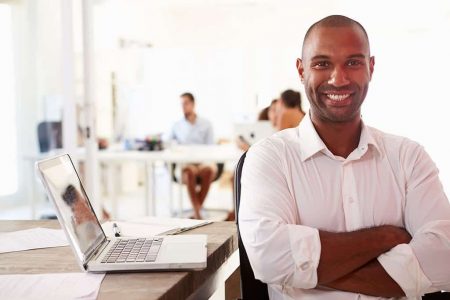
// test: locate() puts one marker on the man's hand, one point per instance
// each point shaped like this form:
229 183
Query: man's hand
343 253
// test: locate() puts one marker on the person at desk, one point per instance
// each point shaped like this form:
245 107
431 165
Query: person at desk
289 110
335 209
191 130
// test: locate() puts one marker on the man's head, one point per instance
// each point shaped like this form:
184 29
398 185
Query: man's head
188 104
291 100
336 68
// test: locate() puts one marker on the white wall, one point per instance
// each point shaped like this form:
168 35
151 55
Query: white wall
235 56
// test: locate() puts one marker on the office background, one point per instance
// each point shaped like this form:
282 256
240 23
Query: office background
234 55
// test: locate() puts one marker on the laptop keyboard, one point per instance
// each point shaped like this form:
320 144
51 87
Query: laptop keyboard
133 250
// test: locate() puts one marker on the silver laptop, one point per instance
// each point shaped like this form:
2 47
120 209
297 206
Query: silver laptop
97 253
251 133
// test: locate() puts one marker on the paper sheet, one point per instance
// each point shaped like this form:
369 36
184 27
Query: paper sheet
34 238
50 286
150 226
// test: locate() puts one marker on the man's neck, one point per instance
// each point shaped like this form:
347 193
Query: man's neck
340 138
191 117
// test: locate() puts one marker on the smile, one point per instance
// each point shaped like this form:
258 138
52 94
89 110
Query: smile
338 97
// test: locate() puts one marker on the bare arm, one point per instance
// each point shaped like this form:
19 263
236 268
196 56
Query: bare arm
344 253
371 279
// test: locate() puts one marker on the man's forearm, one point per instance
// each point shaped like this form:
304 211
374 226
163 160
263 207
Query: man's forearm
343 253
371 279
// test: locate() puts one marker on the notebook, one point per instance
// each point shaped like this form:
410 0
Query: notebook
94 251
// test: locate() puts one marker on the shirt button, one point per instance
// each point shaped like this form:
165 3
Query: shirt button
304 266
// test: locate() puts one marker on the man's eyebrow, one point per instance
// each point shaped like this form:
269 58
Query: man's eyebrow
359 55
320 57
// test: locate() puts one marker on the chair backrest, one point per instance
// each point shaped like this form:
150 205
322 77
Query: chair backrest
437 296
220 169
251 288
49 136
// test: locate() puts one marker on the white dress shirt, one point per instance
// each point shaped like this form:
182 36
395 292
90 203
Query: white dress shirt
187 133
293 186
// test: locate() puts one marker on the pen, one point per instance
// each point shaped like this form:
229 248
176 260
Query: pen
116 229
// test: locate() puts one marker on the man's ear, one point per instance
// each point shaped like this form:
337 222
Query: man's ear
300 69
371 65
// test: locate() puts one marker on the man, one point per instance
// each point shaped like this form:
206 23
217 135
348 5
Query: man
194 130
329 208
290 111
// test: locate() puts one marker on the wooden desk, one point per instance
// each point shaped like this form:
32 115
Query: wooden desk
223 260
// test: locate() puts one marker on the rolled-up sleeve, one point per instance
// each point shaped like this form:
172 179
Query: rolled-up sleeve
423 265
280 251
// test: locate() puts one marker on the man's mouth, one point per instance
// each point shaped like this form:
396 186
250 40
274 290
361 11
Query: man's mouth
338 97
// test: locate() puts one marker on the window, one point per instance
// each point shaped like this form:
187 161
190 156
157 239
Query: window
8 154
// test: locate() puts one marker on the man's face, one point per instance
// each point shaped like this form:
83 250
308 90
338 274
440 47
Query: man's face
187 105
336 69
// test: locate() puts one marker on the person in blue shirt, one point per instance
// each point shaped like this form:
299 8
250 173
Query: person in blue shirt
194 130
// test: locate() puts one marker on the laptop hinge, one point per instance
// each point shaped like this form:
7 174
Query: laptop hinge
96 251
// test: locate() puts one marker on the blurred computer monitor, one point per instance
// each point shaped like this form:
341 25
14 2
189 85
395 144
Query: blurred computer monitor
253 132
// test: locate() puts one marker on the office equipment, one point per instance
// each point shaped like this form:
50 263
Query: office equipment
34 238
50 286
223 260
93 250
251 133
251 288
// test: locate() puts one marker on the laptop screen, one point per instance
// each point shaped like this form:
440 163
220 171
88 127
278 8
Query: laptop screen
75 211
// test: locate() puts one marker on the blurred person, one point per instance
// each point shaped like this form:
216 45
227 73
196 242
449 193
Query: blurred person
289 110
272 113
194 130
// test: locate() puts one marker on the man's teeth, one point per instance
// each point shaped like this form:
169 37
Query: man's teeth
339 97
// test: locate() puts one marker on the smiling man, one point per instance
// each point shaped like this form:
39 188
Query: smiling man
335 209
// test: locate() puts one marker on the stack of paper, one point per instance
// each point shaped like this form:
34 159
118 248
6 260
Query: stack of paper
34 238
50 286
151 226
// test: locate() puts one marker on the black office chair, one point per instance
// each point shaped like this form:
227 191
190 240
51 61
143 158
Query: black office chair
251 288
437 296
49 136
220 169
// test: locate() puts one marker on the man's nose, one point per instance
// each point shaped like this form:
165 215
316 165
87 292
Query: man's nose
338 77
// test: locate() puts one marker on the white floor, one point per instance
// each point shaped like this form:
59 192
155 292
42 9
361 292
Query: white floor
131 200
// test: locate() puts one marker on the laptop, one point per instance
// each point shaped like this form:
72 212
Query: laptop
94 251
251 133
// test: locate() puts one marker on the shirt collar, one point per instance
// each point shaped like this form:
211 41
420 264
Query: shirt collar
311 143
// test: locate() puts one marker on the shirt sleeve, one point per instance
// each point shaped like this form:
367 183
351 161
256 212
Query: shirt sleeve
422 266
280 251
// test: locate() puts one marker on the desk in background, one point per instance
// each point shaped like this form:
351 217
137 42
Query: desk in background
112 160
223 260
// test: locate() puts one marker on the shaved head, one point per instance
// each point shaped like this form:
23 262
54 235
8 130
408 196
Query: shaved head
334 21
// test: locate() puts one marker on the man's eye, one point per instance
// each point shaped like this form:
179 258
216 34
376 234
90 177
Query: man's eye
354 63
321 65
